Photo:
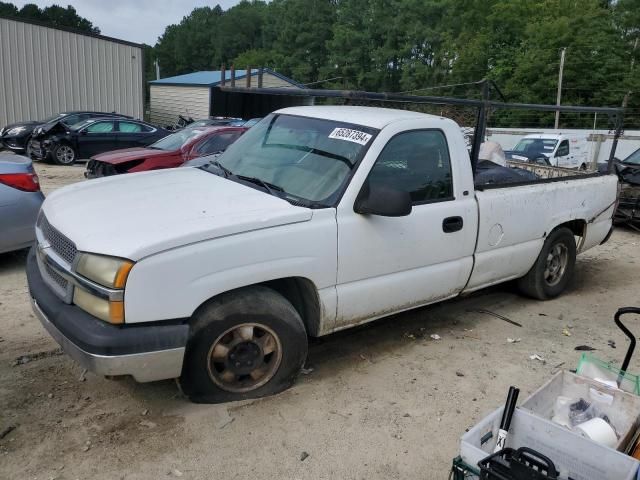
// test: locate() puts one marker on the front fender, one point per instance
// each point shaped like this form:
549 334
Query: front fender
174 283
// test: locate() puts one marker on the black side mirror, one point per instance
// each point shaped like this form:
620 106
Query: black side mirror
381 200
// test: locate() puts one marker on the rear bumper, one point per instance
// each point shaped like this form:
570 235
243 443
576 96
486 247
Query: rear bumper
147 353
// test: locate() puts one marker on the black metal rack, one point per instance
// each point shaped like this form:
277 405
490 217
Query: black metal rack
256 102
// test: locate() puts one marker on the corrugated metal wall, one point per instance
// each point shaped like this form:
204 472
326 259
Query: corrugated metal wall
44 71
169 101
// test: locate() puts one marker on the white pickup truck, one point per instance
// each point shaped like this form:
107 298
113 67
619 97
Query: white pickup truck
316 220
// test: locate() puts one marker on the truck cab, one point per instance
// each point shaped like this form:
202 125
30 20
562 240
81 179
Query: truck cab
556 150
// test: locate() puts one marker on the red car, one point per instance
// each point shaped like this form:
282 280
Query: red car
168 152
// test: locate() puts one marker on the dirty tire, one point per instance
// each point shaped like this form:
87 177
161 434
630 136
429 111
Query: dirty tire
64 154
246 324
540 282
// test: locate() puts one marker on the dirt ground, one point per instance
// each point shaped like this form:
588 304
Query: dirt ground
384 401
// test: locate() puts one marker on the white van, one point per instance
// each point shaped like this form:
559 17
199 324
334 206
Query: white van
557 150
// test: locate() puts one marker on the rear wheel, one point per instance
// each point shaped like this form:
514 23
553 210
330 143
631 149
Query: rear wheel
64 154
554 267
244 344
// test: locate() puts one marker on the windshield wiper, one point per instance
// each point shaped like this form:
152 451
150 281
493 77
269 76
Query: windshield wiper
269 187
227 173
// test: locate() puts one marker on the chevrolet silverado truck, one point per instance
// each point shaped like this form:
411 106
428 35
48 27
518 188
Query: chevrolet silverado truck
317 219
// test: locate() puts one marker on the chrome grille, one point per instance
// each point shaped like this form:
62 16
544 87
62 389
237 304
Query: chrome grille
59 243
56 277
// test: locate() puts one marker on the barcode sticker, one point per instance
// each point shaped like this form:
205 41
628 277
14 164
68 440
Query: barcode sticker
349 135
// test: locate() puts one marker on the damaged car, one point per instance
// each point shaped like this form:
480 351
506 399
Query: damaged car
628 171
171 151
17 137
66 144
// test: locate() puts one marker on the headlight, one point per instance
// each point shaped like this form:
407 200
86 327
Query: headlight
109 272
109 311
16 131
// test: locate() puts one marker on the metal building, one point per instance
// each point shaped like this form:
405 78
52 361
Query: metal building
45 70
190 95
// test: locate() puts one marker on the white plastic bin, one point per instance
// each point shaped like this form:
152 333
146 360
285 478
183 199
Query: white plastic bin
574 456
622 408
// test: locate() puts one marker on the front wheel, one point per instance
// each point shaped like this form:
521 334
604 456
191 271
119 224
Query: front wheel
64 154
554 267
244 344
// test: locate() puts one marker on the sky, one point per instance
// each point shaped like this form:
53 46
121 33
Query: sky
140 21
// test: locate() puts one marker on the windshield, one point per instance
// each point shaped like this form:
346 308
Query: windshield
308 158
633 158
176 140
535 146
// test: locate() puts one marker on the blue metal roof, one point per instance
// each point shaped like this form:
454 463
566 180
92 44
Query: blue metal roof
211 78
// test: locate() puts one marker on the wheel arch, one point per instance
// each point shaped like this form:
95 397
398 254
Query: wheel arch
301 292
578 227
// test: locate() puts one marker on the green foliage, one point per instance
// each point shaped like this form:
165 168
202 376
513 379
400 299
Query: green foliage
411 45
53 15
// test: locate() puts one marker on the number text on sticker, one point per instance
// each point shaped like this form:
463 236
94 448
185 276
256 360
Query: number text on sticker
350 135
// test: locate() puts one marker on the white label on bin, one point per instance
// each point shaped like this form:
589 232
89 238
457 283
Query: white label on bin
350 135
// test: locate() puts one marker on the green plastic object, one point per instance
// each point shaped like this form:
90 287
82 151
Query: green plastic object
461 471
592 367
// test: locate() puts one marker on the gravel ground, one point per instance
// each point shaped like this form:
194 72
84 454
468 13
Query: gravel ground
384 401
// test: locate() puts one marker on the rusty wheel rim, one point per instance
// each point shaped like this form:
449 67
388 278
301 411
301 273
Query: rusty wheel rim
557 260
244 357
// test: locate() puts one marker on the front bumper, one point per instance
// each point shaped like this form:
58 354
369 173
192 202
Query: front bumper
40 150
147 353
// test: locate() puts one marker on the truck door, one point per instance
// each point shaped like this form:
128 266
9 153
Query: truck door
388 264
563 155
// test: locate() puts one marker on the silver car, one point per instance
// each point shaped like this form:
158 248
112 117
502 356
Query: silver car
20 200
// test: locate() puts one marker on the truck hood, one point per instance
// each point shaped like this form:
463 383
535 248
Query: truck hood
139 214
125 155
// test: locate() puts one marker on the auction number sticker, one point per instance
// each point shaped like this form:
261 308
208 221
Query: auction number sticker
349 135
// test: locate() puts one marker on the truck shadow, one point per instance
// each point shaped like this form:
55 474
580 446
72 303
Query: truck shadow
389 335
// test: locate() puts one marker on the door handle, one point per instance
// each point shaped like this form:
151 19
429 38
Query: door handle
452 224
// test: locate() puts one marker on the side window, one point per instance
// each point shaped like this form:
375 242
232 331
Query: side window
563 149
100 127
416 162
130 127
218 143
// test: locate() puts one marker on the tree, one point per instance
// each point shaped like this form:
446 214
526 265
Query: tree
8 9
54 15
